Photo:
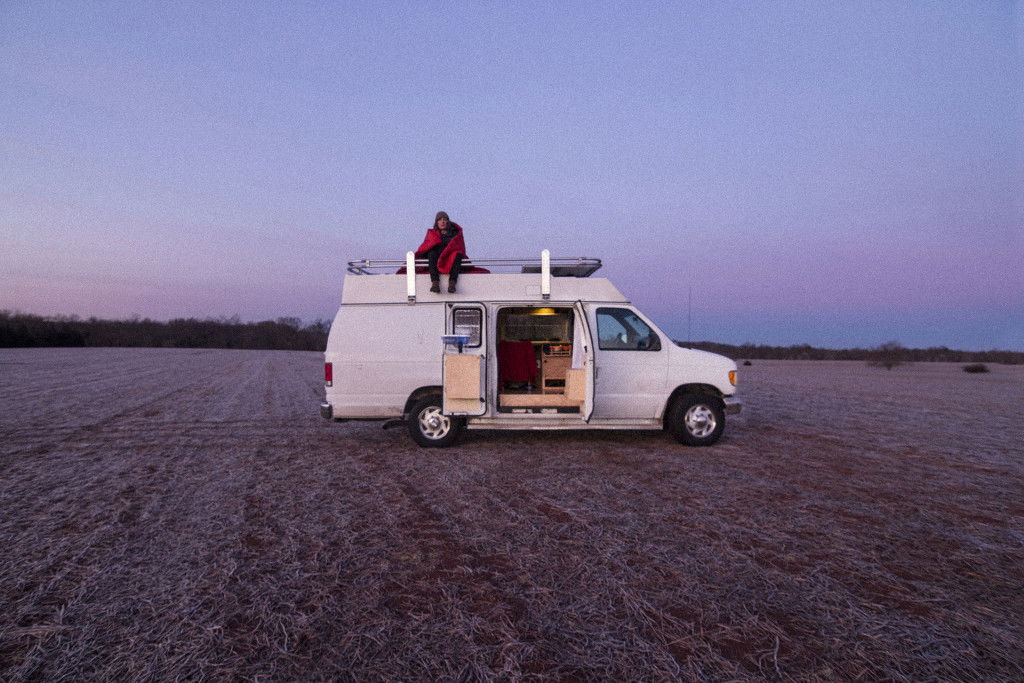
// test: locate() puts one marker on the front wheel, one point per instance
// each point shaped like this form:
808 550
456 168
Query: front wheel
430 427
696 419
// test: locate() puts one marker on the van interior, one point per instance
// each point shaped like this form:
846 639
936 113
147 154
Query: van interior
535 373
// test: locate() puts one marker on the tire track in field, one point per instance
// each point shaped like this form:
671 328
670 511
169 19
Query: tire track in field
483 583
96 528
618 554
132 482
135 485
491 579
749 653
84 388
659 629
189 392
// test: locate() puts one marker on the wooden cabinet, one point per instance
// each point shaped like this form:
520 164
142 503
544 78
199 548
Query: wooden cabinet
555 359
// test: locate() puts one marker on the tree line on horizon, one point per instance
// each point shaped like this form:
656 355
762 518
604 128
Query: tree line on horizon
889 354
29 330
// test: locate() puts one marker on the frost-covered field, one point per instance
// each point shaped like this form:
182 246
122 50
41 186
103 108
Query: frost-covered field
186 513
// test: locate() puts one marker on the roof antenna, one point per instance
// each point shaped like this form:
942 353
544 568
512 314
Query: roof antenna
545 274
689 308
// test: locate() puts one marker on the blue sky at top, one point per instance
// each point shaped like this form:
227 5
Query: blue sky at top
831 173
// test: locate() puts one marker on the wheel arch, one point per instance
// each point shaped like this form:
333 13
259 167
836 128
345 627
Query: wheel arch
417 395
684 389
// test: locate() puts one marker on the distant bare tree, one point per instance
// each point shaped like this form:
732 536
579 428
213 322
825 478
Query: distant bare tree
889 355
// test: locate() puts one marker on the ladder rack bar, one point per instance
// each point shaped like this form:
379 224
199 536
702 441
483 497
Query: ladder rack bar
578 266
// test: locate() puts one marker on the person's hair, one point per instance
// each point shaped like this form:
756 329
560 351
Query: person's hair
441 214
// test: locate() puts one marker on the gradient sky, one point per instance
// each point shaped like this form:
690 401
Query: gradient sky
832 173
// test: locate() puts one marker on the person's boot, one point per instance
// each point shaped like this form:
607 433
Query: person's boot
451 286
435 286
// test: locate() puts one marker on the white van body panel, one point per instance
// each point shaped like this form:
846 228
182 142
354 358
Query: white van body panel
693 366
381 354
696 360
364 289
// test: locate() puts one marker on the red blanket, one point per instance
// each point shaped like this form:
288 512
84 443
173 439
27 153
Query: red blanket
455 247
517 362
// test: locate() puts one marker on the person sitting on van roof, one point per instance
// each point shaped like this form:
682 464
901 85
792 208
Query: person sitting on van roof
445 249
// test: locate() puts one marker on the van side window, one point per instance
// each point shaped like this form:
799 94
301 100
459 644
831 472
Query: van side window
620 329
467 321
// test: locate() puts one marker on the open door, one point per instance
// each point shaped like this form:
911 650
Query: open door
464 364
579 380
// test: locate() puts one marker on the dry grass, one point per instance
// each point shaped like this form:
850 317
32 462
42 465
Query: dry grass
187 515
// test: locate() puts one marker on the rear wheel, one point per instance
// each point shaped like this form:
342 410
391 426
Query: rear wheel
430 427
697 419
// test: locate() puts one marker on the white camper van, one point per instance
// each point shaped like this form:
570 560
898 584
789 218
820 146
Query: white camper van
546 346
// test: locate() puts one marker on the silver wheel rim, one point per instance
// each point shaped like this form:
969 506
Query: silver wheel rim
433 424
700 420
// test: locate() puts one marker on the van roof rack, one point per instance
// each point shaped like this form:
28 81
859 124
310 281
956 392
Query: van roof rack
575 266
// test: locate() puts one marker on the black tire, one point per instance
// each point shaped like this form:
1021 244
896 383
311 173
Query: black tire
696 419
429 427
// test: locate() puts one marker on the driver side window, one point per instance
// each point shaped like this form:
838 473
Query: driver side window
620 329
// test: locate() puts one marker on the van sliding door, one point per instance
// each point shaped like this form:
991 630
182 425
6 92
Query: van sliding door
580 379
464 369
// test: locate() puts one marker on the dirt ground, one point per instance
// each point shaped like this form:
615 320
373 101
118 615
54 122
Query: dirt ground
186 514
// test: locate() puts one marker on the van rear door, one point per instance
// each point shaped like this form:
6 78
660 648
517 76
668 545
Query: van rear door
464 366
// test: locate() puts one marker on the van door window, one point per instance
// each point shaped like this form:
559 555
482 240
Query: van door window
620 329
468 321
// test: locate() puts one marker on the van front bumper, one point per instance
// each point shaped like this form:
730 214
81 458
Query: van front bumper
732 406
326 411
